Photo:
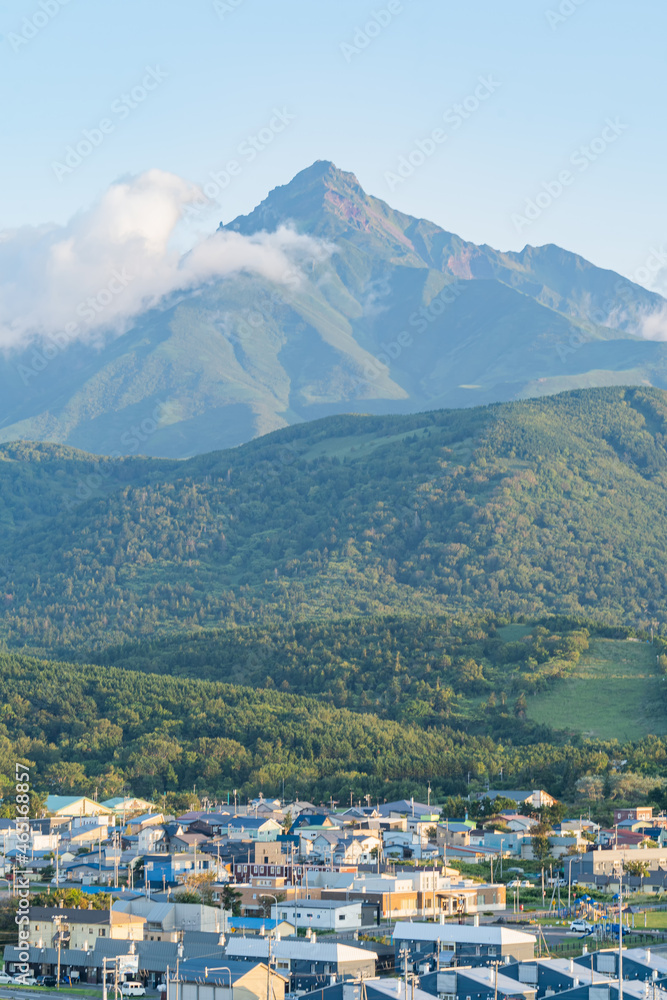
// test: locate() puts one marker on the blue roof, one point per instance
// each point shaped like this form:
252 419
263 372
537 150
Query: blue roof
249 822
252 923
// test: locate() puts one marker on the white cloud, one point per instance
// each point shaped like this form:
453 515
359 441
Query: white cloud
653 326
117 259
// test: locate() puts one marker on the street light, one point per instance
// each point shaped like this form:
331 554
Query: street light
221 968
502 841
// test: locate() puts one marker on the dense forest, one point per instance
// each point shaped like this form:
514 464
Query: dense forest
330 606
541 506
86 728
433 671
103 728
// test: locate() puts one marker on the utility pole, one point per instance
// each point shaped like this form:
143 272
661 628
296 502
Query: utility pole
620 936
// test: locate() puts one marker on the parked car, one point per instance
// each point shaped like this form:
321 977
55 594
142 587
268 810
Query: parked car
5 979
24 981
581 927
133 989
50 981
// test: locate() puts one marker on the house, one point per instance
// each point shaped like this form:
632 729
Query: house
320 914
552 975
166 921
538 798
138 823
127 805
476 983
404 844
316 820
406 807
151 838
249 828
187 842
83 927
517 823
454 833
461 944
305 962
201 958
638 963
634 814
72 805
88 872
244 980
249 926
373 989
603 868
85 836
167 869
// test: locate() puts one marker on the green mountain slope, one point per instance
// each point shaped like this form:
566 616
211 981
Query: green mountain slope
550 505
392 315
97 727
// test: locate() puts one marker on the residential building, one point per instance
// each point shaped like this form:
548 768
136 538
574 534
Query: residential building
537 798
463 944
72 805
320 914
475 983
307 963
166 921
82 927
251 828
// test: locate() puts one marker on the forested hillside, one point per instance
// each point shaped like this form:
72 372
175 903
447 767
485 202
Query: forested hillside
432 671
92 727
543 506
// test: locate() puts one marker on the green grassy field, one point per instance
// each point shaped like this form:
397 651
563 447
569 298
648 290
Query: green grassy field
615 691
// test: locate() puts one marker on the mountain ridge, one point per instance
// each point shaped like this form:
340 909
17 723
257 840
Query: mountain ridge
391 314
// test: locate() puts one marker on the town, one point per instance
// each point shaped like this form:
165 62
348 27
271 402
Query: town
273 899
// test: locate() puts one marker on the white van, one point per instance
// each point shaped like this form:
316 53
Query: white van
132 989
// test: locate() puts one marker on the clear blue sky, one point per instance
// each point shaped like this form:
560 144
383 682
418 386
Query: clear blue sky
228 69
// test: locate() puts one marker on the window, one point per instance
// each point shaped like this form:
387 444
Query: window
282 964
492 951
103 932
341 916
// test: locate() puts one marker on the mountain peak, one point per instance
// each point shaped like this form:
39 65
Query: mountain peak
317 200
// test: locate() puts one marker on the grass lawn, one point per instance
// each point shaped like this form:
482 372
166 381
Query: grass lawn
613 692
